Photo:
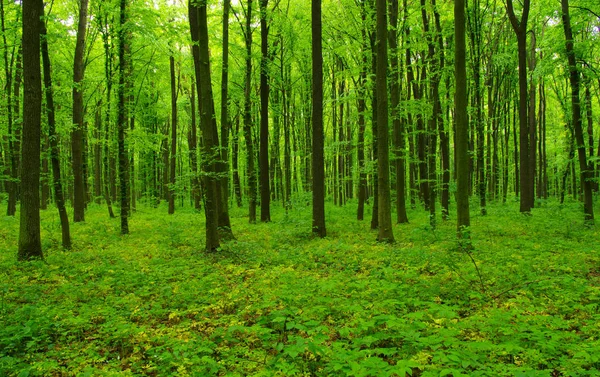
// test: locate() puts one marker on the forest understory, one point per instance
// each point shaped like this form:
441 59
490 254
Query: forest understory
522 300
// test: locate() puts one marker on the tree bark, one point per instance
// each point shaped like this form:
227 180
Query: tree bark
398 126
462 122
574 79
265 194
122 125
210 149
53 137
386 233
78 110
173 151
318 163
250 170
520 28
30 246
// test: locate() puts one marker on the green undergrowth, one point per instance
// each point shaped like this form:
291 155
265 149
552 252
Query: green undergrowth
522 299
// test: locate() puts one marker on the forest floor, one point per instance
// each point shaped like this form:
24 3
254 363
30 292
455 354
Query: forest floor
525 301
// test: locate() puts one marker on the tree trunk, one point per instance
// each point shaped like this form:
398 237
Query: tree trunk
107 157
173 151
520 28
318 163
250 171
12 151
77 132
122 125
193 146
30 246
53 137
574 80
199 33
265 195
398 124
385 233
462 122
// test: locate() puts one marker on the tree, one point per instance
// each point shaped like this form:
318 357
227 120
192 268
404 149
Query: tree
30 245
53 137
263 155
250 171
122 124
173 152
462 122
77 133
398 127
12 151
586 169
318 163
386 233
526 181
210 149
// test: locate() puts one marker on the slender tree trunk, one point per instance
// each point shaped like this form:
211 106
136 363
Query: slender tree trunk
173 151
398 124
574 79
250 171
520 28
265 195
77 132
237 187
386 233
53 137
210 149
122 125
462 121
193 146
12 151
97 154
107 156
30 246
318 160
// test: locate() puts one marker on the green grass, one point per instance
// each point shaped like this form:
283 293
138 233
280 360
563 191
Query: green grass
278 302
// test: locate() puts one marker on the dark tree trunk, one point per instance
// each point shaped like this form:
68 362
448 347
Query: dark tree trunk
173 151
462 121
235 147
30 246
78 110
97 154
12 150
250 170
108 176
520 28
318 163
193 146
53 137
265 195
362 108
398 124
474 23
574 79
385 233
122 125
199 33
